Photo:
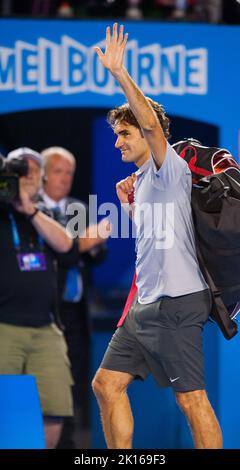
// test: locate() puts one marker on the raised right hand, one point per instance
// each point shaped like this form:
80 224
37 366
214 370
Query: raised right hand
112 59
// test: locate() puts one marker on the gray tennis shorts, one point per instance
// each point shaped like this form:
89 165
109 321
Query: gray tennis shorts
163 338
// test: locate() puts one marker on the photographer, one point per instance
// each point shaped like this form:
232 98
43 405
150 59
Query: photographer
30 341
59 169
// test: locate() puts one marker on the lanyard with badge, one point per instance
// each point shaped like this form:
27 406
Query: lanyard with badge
27 261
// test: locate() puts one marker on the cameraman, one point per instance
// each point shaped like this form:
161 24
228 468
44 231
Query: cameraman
59 170
30 341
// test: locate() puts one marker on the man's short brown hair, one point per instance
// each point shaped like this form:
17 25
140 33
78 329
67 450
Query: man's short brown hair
123 113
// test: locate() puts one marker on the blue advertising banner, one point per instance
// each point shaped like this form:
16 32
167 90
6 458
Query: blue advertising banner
192 69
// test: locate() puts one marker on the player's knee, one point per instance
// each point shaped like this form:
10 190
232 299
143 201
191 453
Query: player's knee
104 387
97 385
188 400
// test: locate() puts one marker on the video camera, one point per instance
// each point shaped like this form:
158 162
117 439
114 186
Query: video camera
10 172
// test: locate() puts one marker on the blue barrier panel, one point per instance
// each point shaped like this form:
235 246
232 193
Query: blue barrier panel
21 424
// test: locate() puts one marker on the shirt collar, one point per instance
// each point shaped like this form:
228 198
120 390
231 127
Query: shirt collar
143 168
51 204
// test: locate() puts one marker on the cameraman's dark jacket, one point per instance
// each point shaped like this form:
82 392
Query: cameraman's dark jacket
27 298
